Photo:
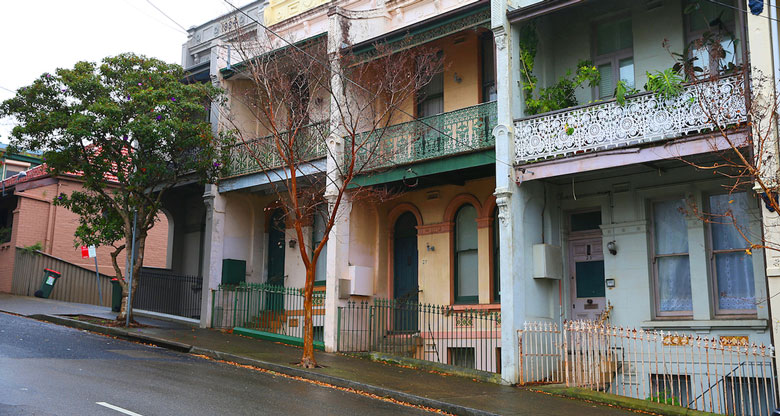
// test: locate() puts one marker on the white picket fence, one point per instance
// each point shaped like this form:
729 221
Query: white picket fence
726 375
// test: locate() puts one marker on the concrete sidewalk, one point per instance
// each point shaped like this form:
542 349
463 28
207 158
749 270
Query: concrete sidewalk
452 394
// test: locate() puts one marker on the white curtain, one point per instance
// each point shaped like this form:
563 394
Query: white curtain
734 269
674 272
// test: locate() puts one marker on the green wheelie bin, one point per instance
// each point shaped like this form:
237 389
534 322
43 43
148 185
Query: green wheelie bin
49 279
116 295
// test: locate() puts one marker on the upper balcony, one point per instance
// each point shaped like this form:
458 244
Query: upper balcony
597 75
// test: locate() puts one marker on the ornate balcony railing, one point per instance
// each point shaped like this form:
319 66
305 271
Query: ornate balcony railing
459 131
261 154
643 118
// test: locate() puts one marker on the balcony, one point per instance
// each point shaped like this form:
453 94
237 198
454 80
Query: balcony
461 131
261 154
644 118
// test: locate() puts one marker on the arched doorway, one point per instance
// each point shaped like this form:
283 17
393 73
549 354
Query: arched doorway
405 283
276 226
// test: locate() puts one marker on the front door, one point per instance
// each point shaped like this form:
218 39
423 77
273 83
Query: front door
586 269
405 285
274 300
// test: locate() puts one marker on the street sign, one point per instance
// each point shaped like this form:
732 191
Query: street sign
88 252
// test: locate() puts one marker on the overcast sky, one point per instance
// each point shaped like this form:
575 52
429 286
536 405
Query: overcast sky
41 35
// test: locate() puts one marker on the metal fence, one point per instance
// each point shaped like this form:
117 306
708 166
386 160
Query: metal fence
160 290
76 283
726 375
464 338
267 308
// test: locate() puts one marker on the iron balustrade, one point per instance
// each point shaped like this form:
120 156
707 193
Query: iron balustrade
267 308
437 333
643 118
170 293
262 154
460 131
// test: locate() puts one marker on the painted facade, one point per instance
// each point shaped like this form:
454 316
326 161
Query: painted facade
543 217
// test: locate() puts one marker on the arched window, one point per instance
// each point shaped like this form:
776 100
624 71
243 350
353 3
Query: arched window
496 257
466 259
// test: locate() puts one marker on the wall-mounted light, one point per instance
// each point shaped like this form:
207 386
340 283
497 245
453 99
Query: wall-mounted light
429 247
612 247
458 79
292 243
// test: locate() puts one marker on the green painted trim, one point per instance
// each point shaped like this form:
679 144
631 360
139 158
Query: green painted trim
320 282
615 400
425 168
269 336
234 69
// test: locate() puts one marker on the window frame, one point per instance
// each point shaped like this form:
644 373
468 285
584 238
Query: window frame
613 58
314 242
657 313
484 85
464 300
690 35
713 270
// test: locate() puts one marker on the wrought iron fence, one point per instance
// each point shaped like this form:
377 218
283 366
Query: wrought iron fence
464 130
267 308
464 338
170 293
262 154
726 375
643 118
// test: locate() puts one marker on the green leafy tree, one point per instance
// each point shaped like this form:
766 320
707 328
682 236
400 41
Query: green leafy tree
130 130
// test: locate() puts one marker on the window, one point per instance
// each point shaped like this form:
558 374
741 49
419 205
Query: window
731 265
671 264
317 234
466 290
753 395
461 357
488 65
671 389
613 55
496 258
709 18
319 333
430 98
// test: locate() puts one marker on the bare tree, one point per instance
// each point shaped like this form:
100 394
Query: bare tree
307 106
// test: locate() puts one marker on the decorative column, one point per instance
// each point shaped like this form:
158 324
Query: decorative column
509 196
213 236
338 238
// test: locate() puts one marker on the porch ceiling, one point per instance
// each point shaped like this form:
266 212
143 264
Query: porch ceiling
539 9
263 180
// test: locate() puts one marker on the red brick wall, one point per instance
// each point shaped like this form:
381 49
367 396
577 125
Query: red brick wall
33 217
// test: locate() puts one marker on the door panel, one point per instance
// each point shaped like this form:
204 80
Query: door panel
405 283
275 301
586 267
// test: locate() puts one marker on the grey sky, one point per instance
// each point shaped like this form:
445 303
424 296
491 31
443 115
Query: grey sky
41 35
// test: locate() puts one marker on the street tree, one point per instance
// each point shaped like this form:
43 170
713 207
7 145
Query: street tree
130 129
310 105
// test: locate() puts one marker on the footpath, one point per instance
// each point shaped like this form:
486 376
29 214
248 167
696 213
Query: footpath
452 394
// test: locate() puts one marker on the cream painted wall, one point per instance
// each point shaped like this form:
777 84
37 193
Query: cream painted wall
370 241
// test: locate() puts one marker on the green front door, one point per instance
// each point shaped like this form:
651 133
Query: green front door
275 298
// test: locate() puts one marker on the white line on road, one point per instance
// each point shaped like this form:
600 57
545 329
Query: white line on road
118 409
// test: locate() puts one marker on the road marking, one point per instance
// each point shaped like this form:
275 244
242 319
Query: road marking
118 409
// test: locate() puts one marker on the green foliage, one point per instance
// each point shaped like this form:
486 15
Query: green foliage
5 234
557 96
561 94
665 397
667 84
129 128
622 90
33 249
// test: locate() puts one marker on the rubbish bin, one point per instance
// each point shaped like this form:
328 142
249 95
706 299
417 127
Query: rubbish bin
49 279
116 295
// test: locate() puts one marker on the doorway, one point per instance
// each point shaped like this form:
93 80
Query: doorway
275 297
405 283
586 266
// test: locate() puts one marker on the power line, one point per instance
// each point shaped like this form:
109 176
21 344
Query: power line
324 65
4 88
741 10
169 17
144 12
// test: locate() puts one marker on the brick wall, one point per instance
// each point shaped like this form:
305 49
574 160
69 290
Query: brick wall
36 219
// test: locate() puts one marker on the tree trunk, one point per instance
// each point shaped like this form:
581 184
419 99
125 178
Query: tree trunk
126 289
307 360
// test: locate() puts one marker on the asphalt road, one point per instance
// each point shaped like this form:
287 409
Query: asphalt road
47 369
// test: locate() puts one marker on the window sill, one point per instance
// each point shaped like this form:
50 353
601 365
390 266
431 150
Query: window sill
478 306
707 324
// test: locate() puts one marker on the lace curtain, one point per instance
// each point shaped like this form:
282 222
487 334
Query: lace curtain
672 262
733 265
